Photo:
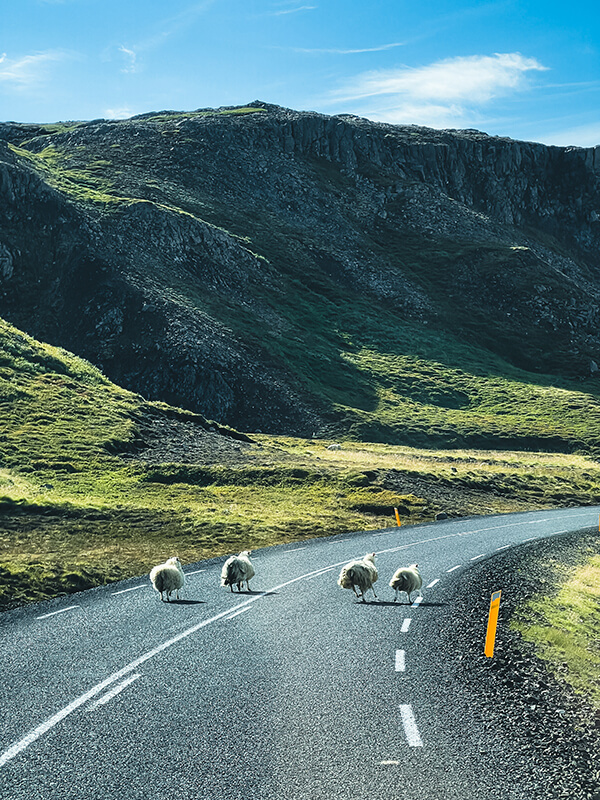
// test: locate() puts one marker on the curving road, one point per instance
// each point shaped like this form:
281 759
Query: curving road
293 691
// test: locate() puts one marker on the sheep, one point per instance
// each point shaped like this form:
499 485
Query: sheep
237 569
168 577
406 579
361 573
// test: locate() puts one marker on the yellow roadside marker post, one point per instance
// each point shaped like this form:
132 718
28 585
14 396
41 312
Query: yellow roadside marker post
490 638
397 517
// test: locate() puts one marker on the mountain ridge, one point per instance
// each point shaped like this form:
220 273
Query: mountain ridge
293 272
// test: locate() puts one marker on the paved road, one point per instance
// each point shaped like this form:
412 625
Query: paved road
293 691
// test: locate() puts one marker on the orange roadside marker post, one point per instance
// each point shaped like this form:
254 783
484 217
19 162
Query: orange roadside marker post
490 638
397 517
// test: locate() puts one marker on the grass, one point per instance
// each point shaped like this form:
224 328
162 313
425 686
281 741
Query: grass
86 184
172 116
565 628
74 513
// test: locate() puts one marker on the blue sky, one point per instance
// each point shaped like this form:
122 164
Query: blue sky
528 70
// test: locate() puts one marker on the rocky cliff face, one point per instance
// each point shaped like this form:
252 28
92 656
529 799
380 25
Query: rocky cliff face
192 255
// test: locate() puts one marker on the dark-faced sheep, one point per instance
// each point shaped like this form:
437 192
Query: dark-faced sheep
360 574
236 570
406 579
168 577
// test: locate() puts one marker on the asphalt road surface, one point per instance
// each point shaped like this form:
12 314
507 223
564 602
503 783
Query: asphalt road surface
295 690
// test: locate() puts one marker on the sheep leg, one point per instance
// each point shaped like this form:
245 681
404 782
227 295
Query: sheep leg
395 595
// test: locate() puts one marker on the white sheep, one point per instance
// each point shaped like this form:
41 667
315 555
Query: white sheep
236 570
168 577
361 573
406 579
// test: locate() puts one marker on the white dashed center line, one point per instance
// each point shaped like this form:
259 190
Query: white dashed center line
458 566
410 726
505 547
400 661
405 626
417 602
479 556
433 583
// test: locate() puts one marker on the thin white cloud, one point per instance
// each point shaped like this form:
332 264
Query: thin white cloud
444 94
119 113
131 56
476 79
429 115
29 71
293 10
342 52
164 30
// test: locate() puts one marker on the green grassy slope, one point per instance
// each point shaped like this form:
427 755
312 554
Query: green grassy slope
74 514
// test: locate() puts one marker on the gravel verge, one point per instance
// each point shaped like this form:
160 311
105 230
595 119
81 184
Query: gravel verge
553 735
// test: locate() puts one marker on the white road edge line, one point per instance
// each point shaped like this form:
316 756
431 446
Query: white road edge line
116 690
133 589
432 584
405 625
410 726
237 613
504 547
296 549
458 566
194 572
60 611
400 664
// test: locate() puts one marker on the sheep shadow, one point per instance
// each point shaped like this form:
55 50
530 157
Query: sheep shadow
184 602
